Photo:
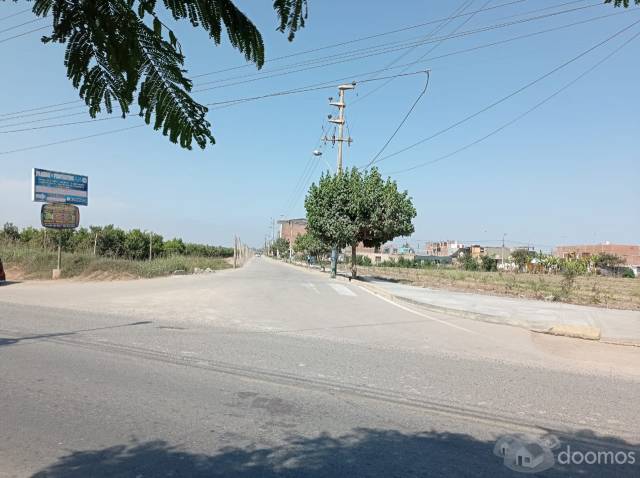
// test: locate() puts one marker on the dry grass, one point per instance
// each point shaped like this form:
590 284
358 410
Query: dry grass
594 290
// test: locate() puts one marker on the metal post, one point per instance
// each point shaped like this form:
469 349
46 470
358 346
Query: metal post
59 249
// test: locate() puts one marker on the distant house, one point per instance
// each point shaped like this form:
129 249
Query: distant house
630 254
290 229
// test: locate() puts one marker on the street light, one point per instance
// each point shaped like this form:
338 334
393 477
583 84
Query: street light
317 153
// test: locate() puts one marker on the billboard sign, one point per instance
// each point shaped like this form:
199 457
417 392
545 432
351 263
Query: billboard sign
57 187
60 216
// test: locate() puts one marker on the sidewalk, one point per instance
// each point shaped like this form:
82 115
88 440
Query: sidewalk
620 326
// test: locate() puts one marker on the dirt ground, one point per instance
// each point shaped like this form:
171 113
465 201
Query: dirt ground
599 291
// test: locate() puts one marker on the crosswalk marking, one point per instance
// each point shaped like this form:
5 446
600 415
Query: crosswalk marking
342 290
311 286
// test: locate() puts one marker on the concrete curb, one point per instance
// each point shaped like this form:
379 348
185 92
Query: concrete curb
572 331
576 331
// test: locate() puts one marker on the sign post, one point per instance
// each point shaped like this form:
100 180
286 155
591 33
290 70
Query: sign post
61 192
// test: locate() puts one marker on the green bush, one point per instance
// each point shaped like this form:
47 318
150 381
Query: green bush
627 273
363 260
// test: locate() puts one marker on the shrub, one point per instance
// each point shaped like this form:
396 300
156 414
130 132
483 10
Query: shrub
363 261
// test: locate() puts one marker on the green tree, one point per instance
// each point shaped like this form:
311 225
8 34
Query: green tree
122 51
174 247
10 232
353 207
488 263
310 245
621 3
469 263
606 259
280 247
82 240
521 257
136 245
30 235
111 241
157 244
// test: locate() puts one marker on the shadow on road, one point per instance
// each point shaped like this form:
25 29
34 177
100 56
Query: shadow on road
360 453
11 341
9 282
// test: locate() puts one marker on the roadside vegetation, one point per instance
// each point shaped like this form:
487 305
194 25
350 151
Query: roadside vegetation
585 289
103 253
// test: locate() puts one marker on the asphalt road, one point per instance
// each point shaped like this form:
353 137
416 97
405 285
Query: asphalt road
276 371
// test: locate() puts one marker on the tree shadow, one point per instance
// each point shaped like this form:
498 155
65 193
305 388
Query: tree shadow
15 340
363 452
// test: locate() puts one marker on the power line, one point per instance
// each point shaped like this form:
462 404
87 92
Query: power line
510 95
33 128
21 25
231 103
23 34
431 50
299 53
308 88
71 140
404 120
15 14
527 112
317 86
357 40
17 114
39 108
382 50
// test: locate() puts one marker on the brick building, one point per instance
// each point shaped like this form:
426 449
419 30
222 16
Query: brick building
289 229
629 253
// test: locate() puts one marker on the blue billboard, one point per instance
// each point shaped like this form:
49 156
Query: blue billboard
57 187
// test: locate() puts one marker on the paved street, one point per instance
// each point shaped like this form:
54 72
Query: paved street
273 370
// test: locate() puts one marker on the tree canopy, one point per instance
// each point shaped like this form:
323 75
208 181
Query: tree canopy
118 49
621 3
309 244
358 207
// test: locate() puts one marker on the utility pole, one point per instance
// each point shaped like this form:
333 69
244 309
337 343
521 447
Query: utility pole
235 252
341 105
503 234
340 121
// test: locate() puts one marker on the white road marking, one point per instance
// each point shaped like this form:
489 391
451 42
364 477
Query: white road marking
342 290
420 314
311 286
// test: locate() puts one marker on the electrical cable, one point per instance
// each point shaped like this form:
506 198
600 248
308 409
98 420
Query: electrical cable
356 40
421 58
15 14
244 79
510 95
23 34
404 120
16 116
522 115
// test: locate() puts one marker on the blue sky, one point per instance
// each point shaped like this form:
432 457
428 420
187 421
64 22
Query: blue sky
566 173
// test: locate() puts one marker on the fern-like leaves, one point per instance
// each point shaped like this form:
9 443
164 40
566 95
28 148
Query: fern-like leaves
119 49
